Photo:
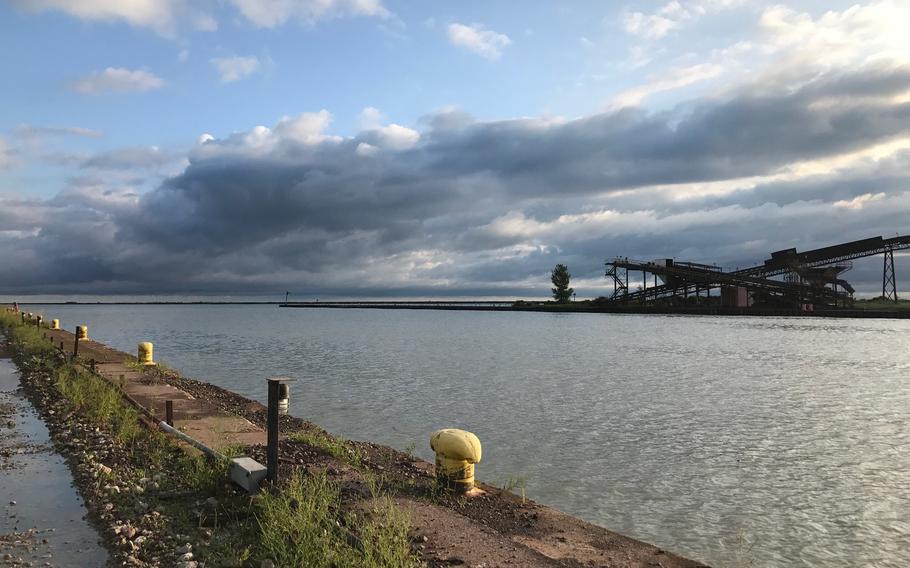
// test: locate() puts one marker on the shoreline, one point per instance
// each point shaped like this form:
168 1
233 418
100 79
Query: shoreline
499 528
497 306
590 309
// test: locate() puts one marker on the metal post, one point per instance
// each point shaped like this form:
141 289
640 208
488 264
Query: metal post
644 286
272 433
627 283
272 427
169 412
75 347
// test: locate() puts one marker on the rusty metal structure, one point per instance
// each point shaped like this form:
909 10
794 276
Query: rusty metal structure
802 280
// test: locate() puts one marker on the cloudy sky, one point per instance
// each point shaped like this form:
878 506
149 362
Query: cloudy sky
377 147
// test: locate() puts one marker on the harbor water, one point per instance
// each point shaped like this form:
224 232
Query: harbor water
740 441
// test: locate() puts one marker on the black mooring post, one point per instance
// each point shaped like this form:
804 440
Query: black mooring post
272 427
169 412
75 347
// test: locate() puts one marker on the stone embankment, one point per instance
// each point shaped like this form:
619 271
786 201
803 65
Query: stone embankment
162 506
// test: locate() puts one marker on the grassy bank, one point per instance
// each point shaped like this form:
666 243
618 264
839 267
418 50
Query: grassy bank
882 304
158 502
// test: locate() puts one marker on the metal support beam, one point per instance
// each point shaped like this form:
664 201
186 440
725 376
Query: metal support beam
889 281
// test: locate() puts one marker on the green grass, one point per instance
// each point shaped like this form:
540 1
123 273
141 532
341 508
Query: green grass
25 337
333 445
299 526
99 402
882 304
514 482
296 524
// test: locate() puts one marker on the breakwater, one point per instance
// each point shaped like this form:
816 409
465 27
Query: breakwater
591 308
497 527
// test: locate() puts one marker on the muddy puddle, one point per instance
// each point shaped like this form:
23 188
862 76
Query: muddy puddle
41 515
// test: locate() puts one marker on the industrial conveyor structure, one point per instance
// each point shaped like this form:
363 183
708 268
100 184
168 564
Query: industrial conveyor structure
788 278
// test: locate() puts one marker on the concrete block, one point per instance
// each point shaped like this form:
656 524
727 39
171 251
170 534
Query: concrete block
247 473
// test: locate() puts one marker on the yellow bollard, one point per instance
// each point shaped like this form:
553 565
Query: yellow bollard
456 453
82 332
55 324
146 349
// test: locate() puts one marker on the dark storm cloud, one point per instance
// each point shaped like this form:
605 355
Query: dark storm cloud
740 137
472 206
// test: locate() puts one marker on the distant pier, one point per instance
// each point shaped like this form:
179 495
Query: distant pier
611 308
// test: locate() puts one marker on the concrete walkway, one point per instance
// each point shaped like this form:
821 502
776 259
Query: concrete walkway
197 418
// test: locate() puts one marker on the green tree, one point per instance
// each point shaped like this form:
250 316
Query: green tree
560 279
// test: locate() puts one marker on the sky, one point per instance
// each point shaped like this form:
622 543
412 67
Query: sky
371 148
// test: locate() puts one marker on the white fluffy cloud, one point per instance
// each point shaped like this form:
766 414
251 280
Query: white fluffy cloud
159 15
376 135
305 128
667 81
164 16
271 13
672 16
236 68
787 49
116 80
856 35
156 14
478 39
370 118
